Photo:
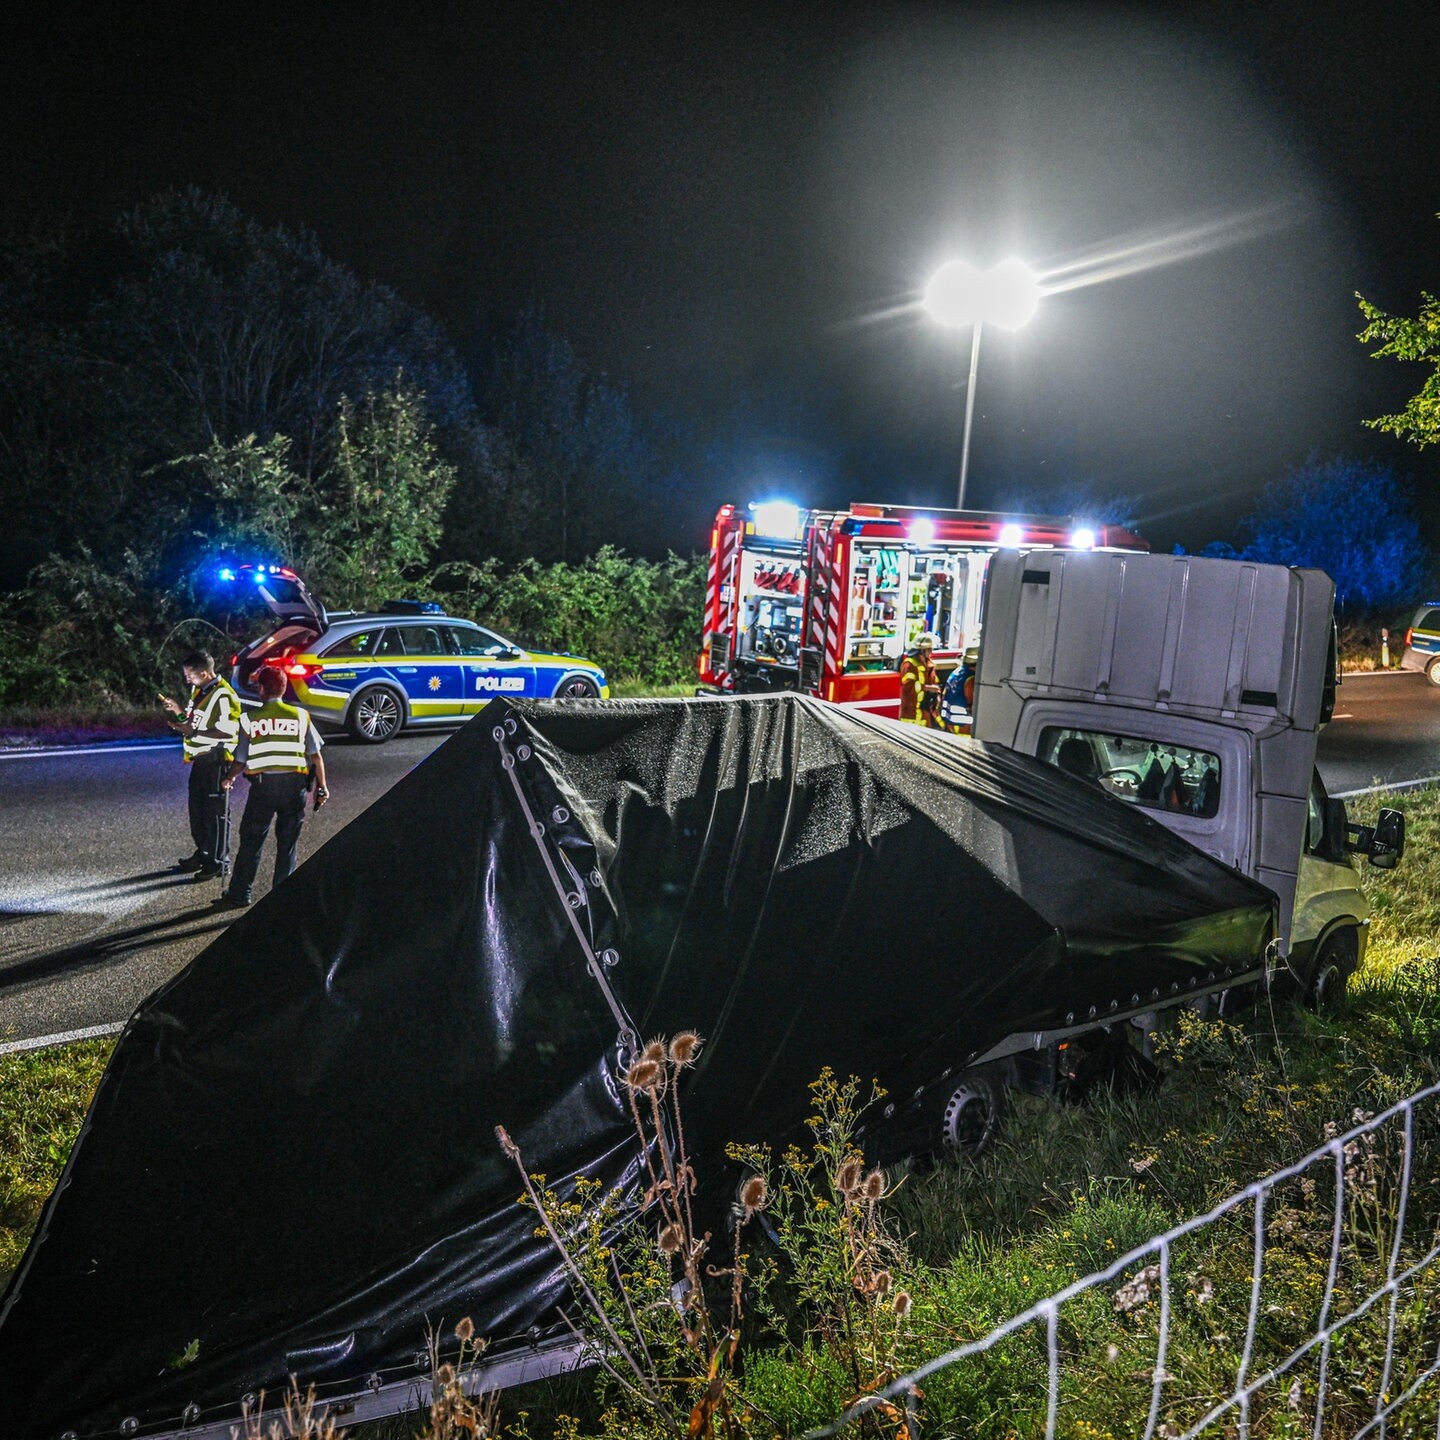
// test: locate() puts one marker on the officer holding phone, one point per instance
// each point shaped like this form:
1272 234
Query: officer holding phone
208 724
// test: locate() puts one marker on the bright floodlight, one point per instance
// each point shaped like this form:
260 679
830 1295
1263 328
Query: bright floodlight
1011 294
922 531
1005 295
1083 538
777 518
953 295
1011 536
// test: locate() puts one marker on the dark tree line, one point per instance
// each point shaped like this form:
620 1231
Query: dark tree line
186 325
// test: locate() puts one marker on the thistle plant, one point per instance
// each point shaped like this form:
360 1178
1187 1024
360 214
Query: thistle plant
661 1318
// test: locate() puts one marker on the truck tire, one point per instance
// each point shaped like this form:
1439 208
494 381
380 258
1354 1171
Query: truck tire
376 714
974 1113
1333 965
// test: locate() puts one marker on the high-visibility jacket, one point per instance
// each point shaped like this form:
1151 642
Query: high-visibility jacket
914 677
213 706
276 733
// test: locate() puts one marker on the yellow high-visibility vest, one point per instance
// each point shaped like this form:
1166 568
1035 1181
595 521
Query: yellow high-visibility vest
276 732
213 706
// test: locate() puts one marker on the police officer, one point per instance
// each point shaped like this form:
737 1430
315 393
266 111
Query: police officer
278 750
209 723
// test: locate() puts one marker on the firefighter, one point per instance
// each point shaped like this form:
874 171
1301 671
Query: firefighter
209 723
920 685
279 753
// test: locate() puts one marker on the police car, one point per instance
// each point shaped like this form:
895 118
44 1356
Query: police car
1422 642
406 664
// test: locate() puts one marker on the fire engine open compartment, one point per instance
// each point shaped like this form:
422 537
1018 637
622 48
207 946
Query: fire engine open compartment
290 1164
827 602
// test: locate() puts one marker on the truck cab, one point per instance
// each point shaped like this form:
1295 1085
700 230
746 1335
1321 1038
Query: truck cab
1194 689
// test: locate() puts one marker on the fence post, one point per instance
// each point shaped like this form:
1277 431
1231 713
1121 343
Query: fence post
1384 648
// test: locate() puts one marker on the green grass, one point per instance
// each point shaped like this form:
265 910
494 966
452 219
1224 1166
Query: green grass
43 1098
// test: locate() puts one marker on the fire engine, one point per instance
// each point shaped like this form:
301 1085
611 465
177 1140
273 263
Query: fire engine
828 601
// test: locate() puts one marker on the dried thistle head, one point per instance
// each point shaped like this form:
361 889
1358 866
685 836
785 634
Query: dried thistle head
644 1074
874 1184
847 1180
881 1282
753 1195
465 1330
671 1239
655 1051
506 1143
684 1048
901 1304
446 1373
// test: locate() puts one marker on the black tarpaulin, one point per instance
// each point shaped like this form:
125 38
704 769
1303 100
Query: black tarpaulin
290 1164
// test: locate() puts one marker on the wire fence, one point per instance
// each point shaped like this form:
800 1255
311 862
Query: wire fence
1333 1328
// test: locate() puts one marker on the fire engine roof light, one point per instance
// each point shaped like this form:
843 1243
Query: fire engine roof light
777 518
226 573
922 532
1082 538
1011 536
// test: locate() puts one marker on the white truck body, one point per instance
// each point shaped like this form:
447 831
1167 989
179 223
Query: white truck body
1195 688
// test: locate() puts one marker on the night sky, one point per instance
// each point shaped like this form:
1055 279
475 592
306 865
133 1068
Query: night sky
729 202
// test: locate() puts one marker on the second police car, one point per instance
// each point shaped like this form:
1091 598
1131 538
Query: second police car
406 664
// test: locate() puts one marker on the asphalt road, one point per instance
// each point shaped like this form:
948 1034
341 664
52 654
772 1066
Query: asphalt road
93 916
1386 731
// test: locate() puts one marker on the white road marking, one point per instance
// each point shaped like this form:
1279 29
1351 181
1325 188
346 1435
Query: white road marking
65 1037
1381 789
16 752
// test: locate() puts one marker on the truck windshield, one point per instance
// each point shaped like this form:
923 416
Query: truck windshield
1149 773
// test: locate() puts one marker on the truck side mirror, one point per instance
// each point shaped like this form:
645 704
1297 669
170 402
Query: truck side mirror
1383 842
1388 843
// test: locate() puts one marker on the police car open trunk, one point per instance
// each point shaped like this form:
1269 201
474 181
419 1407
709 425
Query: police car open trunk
290 1166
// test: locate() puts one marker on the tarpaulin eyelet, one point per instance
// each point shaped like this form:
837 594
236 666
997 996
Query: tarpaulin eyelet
559 814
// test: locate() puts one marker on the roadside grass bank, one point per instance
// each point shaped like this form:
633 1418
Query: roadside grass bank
1066 1189
31 726
43 1098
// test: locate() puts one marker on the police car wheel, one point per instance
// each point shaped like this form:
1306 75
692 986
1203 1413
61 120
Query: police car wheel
578 687
1432 671
375 716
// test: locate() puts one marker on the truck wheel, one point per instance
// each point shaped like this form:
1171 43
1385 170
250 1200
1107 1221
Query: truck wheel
375 715
974 1113
1432 671
1333 965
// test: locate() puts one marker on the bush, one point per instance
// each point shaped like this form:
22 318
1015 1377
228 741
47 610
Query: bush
640 619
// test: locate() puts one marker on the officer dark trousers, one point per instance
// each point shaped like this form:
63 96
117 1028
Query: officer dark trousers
279 796
207 805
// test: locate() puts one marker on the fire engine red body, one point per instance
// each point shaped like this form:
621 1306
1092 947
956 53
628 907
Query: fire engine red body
827 601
